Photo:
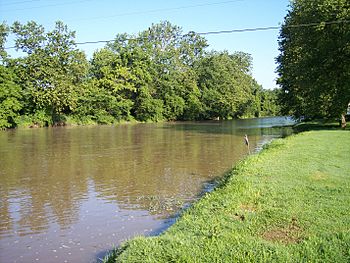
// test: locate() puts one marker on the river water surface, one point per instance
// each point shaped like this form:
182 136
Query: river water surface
70 194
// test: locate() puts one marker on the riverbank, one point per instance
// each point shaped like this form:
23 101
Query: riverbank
29 122
290 203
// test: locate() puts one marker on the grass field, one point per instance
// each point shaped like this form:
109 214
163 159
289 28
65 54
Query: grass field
289 203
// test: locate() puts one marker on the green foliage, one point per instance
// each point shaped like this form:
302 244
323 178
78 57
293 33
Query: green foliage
289 203
114 80
269 103
262 103
42 118
98 105
148 108
157 74
225 82
23 121
10 98
174 106
52 68
314 63
159 63
4 31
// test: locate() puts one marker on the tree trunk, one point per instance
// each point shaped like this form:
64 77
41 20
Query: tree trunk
343 121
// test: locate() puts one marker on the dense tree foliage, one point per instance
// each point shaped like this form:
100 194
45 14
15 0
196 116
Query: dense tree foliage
51 71
10 97
226 84
314 64
158 74
10 92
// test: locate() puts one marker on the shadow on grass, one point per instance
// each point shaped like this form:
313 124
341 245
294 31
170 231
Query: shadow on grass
318 125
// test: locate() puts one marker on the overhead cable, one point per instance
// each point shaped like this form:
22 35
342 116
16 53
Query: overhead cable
226 31
157 10
44 6
19 2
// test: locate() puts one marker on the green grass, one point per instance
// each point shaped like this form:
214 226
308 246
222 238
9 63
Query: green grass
290 203
325 124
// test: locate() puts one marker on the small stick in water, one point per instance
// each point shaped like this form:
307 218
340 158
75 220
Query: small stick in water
246 140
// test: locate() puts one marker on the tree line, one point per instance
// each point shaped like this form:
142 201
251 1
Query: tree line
314 60
157 74
163 74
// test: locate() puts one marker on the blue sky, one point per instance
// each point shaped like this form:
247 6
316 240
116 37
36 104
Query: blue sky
102 19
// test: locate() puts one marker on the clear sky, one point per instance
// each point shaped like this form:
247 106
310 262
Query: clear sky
95 20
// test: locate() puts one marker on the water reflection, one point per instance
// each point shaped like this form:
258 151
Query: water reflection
67 193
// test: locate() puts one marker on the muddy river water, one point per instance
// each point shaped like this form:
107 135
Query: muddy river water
70 194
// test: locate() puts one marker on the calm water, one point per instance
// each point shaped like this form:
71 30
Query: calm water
70 194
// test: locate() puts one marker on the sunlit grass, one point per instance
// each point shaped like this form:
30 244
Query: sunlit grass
290 203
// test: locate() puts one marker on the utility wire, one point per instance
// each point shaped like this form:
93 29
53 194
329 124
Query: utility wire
157 10
272 28
226 31
43 6
19 2
117 15
238 30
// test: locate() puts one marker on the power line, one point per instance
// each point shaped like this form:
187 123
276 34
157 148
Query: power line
19 2
123 14
157 10
43 6
271 28
199 33
227 31
117 15
238 30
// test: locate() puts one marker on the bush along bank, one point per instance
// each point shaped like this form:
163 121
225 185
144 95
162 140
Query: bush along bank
289 203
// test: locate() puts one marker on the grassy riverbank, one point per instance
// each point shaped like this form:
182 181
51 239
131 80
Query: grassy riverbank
290 203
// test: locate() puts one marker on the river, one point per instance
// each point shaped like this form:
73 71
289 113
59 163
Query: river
69 194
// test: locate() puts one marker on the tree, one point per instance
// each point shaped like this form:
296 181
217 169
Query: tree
269 105
10 92
10 98
96 104
112 76
51 70
157 74
225 83
160 63
314 63
173 55
132 70
4 31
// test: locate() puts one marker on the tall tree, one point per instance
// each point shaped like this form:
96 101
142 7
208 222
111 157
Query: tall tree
157 74
10 92
52 68
133 70
160 61
10 98
4 31
174 54
314 63
225 82
115 78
